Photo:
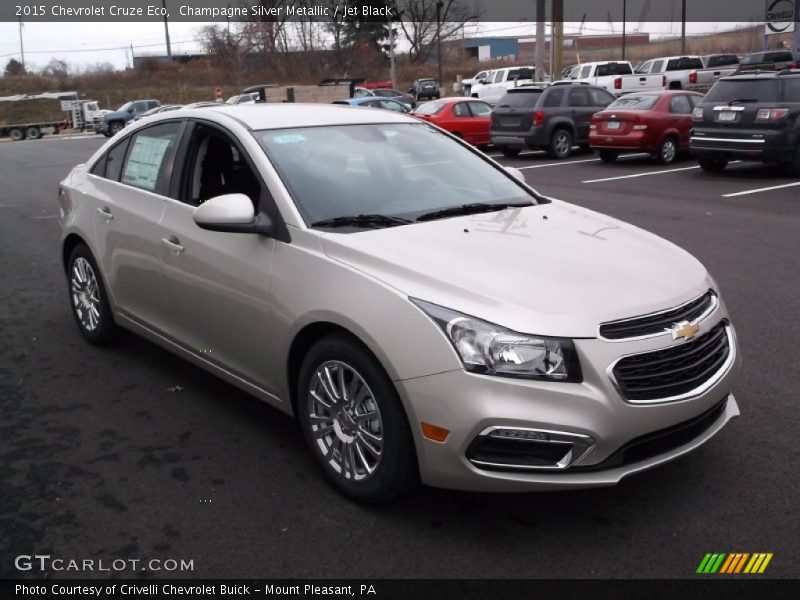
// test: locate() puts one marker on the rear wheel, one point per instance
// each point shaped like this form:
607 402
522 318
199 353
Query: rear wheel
608 156
667 151
712 165
88 298
560 144
33 133
354 423
510 152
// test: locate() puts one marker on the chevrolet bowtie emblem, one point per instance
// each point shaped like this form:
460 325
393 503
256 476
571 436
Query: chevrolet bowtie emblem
684 330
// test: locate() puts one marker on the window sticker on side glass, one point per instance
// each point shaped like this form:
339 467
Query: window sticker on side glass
145 161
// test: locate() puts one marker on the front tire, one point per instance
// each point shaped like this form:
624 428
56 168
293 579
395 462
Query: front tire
354 423
88 298
560 145
712 165
114 127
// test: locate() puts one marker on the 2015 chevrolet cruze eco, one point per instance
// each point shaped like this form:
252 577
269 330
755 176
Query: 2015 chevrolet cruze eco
423 312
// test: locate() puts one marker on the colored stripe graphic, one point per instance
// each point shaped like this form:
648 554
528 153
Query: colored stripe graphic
733 563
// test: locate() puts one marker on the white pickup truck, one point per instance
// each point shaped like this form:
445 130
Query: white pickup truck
616 77
501 81
678 70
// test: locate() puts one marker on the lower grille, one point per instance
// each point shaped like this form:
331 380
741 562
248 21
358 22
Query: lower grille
659 442
675 372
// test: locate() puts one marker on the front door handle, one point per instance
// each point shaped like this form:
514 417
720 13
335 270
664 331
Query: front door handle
105 213
173 244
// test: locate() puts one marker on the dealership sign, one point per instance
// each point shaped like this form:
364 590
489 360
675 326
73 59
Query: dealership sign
781 16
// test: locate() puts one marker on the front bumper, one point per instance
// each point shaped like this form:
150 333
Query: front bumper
469 405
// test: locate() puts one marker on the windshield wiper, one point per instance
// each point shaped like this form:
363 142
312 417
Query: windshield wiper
742 101
470 209
362 221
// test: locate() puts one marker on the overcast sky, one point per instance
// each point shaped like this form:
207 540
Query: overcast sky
82 44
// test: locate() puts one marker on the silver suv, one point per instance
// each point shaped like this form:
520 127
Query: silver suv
457 327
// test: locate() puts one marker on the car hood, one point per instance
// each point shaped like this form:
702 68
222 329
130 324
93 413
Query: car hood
114 115
554 269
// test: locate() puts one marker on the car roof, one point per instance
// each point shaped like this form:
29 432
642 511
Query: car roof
257 116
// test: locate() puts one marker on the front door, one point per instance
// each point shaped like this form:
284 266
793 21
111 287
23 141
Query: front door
217 285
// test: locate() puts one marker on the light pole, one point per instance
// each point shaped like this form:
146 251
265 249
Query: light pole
624 15
439 6
21 47
166 29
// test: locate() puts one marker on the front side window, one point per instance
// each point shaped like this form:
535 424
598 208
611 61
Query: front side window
396 170
429 108
645 68
149 161
498 77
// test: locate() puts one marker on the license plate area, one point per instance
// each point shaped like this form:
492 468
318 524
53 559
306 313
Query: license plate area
510 122
726 116
612 125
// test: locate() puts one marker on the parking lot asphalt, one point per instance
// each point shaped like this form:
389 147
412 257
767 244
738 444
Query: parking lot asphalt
130 452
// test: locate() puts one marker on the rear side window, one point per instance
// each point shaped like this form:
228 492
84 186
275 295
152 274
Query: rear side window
746 91
461 110
600 97
779 56
526 98
579 97
110 164
149 162
553 98
480 109
680 105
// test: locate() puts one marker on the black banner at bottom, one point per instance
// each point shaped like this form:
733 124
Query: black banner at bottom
396 589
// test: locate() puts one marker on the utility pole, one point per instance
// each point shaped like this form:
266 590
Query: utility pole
557 38
392 72
683 26
166 29
21 46
796 34
539 52
439 6
624 16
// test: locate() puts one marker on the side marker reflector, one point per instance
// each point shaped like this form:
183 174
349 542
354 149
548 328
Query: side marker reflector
432 432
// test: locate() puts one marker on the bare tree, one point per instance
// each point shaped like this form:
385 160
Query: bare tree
56 68
418 21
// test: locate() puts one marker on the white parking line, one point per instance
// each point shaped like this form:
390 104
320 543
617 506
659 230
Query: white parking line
559 164
764 189
640 174
520 154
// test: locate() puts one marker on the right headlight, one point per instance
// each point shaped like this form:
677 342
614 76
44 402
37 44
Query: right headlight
493 350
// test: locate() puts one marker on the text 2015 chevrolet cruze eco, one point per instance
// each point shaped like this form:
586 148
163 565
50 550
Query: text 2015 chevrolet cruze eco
423 312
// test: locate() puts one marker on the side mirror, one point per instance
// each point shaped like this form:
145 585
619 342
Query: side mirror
516 174
231 213
130 110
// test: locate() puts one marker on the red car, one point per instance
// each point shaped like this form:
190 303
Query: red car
467 118
654 122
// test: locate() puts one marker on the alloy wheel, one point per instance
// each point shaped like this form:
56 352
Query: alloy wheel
345 421
85 294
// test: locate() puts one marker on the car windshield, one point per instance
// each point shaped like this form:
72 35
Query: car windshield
631 102
391 170
125 107
429 108
746 91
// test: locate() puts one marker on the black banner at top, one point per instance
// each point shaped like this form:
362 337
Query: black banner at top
574 11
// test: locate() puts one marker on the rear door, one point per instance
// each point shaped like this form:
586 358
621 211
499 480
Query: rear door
480 122
680 117
130 193
581 108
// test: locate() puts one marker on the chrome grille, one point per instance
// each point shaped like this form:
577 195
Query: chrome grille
675 372
658 323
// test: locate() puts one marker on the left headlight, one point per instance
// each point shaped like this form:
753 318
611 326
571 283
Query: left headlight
493 350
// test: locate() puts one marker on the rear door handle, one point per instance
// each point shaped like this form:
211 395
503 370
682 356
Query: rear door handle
105 213
173 244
